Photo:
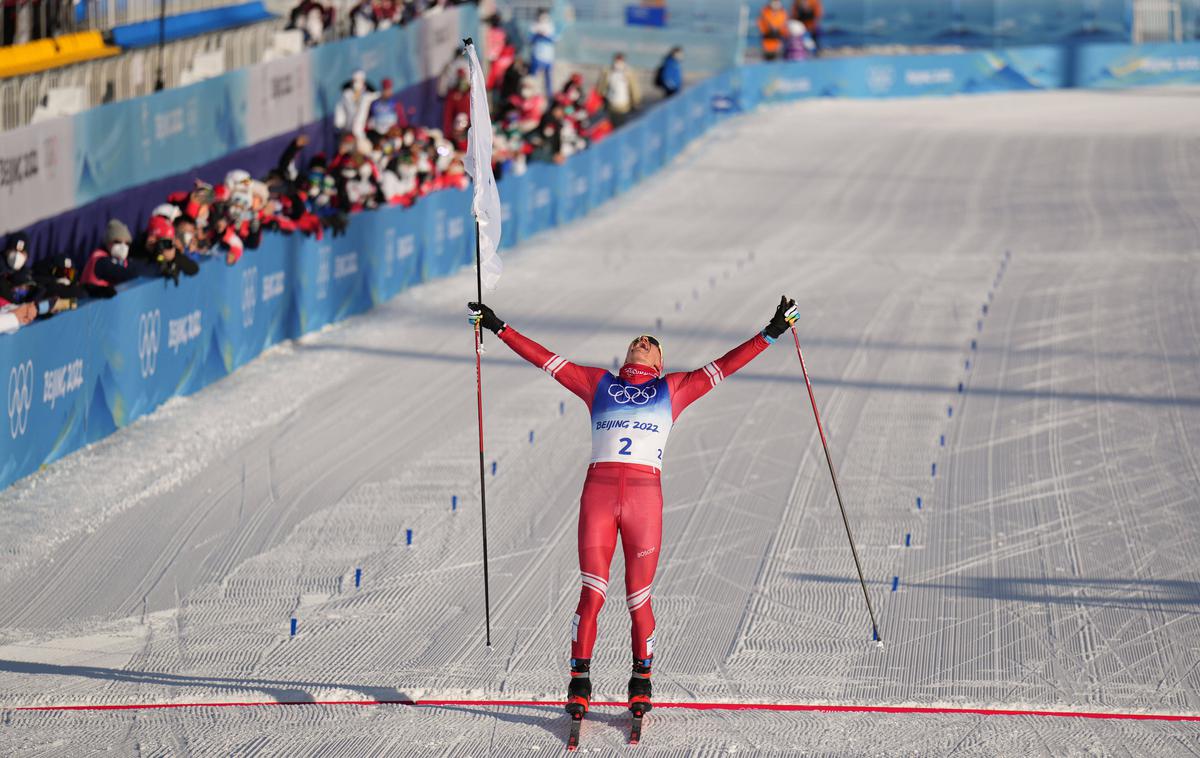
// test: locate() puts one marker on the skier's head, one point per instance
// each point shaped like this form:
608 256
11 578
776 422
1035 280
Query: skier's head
645 351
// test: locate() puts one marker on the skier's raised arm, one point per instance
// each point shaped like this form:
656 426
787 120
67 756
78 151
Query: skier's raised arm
688 387
581 380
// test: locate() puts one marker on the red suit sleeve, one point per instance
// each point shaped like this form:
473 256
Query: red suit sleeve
581 380
687 388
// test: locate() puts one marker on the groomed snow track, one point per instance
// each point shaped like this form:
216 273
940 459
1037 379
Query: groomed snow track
998 301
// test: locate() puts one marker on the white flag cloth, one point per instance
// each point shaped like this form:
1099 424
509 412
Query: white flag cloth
486 202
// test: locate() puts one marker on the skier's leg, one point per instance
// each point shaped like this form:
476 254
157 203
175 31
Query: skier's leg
597 540
641 539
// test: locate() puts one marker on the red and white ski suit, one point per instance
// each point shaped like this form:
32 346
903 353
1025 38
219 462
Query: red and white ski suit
631 416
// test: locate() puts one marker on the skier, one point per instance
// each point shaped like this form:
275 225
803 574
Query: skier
631 416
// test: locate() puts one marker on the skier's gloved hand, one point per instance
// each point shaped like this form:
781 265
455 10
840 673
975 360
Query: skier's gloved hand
785 315
485 317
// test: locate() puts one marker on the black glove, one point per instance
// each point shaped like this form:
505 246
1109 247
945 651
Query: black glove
485 317
785 315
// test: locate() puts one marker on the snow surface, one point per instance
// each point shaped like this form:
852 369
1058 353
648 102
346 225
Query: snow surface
1051 565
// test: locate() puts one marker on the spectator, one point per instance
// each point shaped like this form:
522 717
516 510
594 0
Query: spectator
669 76
18 285
357 176
458 102
108 266
456 69
510 86
312 19
542 49
528 105
619 89
354 107
799 45
187 240
494 38
385 112
372 15
772 23
809 13
16 281
155 252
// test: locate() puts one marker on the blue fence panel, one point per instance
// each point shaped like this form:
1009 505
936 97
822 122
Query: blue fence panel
51 374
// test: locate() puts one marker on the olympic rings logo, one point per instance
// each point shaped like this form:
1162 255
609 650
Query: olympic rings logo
149 326
20 397
624 393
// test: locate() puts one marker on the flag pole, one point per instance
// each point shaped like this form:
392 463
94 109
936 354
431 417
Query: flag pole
487 604
474 160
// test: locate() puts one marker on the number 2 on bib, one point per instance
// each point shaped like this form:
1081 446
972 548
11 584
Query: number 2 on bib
625 448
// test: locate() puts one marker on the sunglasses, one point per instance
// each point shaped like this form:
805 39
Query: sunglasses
650 339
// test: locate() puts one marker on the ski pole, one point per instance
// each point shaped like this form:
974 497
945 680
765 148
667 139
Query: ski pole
487 605
837 490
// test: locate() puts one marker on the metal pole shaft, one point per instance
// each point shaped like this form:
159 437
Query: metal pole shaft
836 490
487 604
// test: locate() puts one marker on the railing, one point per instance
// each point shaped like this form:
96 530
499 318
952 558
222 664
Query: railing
131 74
1157 21
39 19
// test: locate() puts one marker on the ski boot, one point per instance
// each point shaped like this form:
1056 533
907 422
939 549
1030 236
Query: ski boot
579 691
639 688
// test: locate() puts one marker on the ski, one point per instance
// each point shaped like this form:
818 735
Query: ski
573 737
635 729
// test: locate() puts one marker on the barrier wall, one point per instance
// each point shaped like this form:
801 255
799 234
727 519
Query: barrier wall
1015 69
78 376
54 166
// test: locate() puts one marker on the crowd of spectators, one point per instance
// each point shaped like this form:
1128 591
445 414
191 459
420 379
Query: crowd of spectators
381 158
314 18
790 35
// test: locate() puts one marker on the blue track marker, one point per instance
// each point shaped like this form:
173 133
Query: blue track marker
949 411
967 365
960 388
933 469
562 407
979 325
530 436
357 577
294 625
408 536
918 503
985 309
453 503
974 344
942 441
658 324
493 468
908 539
895 583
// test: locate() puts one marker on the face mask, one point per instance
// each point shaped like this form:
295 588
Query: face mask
16 259
120 250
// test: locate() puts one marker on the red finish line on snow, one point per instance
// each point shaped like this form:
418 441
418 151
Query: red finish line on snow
899 709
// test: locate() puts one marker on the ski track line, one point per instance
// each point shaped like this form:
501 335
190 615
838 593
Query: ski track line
695 706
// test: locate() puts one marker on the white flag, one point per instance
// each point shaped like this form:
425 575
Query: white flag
486 202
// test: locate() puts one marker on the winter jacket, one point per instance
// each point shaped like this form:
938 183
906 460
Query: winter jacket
808 12
772 23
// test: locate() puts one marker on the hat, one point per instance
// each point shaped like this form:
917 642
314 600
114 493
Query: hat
161 228
18 241
168 211
387 82
117 232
